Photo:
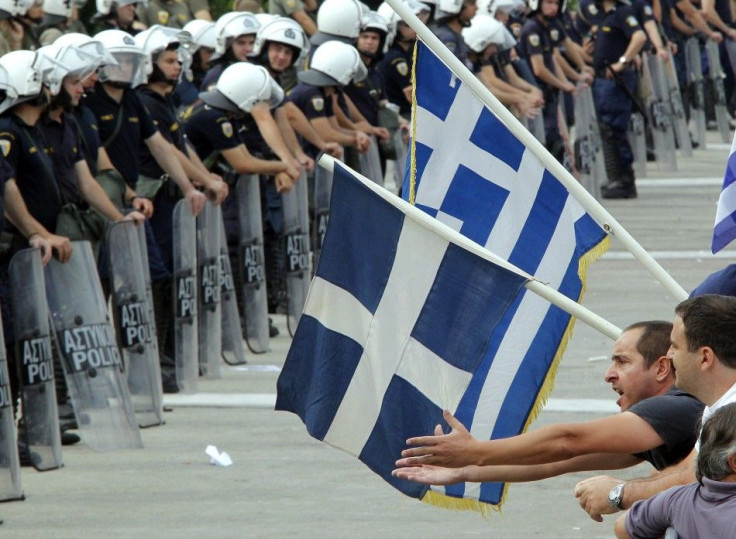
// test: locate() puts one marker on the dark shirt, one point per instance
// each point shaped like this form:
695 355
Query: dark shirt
211 130
85 125
312 101
163 114
136 126
675 417
211 77
367 93
396 71
616 29
63 146
22 147
589 16
536 38
453 41
721 282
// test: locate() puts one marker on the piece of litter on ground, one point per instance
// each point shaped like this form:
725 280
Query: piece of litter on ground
217 458
257 368
598 358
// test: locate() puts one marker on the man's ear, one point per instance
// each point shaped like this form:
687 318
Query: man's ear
663 368
706 358
732 462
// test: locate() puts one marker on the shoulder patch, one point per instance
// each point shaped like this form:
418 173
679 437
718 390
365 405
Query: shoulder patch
648 10
592 9
554 34
227 129
318 103
290 3
402 68
631 21
534 40
5 147
162 16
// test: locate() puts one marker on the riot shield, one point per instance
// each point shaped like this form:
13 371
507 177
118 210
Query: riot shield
92 363
134 322
296 239
401 155
370 163
535 125
679 118
186 331
696 88
34 360
233 351
716 75
660 113
253 267
583 146
10 487
638 142
598 172
210 318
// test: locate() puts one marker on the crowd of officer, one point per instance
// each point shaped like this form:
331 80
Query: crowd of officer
121 116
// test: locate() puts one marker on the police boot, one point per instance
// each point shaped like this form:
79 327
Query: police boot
622 187
163 314
610 159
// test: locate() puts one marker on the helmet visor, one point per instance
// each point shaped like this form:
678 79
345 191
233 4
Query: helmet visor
130 70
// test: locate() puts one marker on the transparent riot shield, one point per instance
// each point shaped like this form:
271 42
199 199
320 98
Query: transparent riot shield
134 322
296 240
696 88
186 329
638 142
598 172
716 75
233 351
535 125
253 267
10 486
679 118
92 363
370 163
401 155
34 358
583 145
210 318
660 113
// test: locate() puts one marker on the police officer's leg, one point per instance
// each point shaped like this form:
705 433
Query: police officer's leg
552 136
273 249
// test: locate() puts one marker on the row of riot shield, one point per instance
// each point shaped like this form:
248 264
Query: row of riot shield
654 89
695 88
588 149
717 87
10 483
370 163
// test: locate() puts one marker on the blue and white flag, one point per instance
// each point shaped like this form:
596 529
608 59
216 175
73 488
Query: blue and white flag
397 320
724 230
474 175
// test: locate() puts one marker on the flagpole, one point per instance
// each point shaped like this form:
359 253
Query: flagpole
586 200
547 292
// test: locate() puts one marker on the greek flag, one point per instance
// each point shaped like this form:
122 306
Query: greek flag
724 230
397 320
474 175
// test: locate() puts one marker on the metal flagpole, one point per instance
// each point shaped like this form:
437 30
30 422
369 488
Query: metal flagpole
547 292
586 200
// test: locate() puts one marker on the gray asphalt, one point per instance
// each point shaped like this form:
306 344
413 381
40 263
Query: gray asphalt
285 484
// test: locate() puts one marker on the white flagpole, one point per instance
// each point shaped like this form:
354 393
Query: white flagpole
547 292
586 200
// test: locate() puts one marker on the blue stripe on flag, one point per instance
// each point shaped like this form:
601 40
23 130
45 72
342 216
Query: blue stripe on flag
377 231
316 398
485 136
724 229
463 307
438 102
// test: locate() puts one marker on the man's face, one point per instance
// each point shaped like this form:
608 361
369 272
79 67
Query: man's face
168 63
468 11
126 15
74 88
684 361
369 42
627 373
279 56
242 47
550 8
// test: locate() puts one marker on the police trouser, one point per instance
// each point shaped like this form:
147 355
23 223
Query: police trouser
551 126
613 106
273 244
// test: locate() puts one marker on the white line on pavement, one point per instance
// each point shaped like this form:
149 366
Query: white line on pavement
679 182
671 255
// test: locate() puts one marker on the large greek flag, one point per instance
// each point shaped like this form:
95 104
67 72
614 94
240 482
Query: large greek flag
397 320
724 230
475 176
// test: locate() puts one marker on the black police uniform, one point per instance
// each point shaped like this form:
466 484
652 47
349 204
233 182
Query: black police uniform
396 71
85 126
453 41
313 102
536 38
612 98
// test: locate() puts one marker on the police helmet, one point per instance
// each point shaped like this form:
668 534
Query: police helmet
157 39
14 8
334 64
340 18
241 87
27 73
485 30
56 11
122 46
286 31
85 43
231 26
203 34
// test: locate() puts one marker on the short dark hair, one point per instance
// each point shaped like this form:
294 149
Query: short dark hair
710 320
717 444
654 341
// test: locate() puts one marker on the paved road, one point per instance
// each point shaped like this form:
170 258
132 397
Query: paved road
284 484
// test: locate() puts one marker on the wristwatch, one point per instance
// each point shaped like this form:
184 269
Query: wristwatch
623 60
615 497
